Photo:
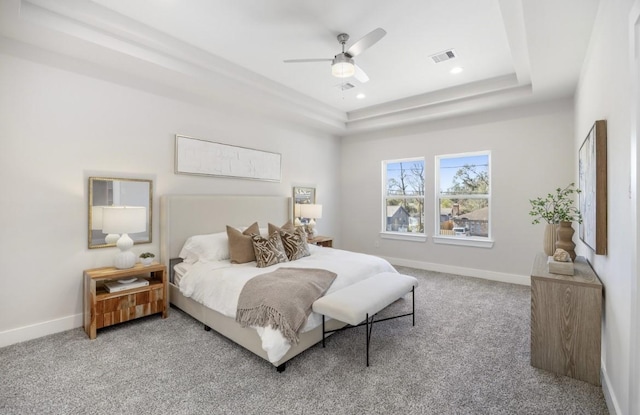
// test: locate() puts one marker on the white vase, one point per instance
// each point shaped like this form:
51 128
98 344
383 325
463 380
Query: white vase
549 241
146 261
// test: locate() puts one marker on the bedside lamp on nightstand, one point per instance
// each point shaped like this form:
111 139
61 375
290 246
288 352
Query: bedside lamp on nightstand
312 212
124 220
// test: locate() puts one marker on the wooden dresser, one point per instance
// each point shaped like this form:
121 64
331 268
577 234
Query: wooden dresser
565 320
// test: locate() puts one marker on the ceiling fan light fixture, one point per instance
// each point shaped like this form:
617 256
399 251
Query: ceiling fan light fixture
342 66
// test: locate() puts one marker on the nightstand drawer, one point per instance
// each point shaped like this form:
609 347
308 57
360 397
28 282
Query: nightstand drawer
126 307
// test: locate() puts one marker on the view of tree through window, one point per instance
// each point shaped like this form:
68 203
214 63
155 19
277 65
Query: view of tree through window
464 195
404 195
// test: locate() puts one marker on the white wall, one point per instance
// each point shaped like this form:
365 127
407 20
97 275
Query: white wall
531 154
604 92
59 127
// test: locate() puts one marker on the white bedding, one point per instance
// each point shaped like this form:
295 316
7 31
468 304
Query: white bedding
217 285
179 270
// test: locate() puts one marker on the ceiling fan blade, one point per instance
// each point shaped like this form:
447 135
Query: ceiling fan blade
360 75
306 60
366 42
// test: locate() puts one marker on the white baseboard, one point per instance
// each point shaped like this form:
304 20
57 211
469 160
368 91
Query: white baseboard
610 398
34 331
467 272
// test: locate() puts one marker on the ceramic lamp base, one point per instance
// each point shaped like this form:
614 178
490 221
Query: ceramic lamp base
125 258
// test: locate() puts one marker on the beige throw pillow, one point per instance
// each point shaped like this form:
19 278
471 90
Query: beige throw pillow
240 244
269 251
287 227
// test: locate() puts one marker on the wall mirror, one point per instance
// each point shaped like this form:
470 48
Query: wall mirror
303 195
109 191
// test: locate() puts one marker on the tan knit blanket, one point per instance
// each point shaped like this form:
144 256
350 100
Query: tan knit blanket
282 299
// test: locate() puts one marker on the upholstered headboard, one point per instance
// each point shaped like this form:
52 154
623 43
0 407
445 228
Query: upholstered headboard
182 216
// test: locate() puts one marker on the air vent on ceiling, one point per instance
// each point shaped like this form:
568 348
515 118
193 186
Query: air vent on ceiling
443 56
344 86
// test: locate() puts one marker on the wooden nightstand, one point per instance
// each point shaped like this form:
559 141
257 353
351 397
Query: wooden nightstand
321 241
103 309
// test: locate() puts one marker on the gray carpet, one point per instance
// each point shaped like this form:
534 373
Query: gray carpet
467 354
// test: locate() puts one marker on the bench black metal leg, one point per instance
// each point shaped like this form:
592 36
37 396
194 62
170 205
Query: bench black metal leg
413 306
369 328
323 331
367 333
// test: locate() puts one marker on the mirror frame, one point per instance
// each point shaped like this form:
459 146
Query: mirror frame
92 180
302 194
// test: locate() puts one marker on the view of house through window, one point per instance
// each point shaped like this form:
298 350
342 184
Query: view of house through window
463 194
404 195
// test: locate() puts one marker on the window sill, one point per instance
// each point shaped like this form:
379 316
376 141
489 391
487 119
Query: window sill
404 236
463 241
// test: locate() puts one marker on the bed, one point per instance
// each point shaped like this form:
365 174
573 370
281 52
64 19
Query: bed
182 216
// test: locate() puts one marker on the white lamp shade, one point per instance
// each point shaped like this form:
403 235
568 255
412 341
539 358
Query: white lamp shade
96 217
311 211
296 210
124 219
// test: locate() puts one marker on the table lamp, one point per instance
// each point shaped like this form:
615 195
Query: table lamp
312 212
124 220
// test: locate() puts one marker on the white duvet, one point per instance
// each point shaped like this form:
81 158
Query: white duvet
217 285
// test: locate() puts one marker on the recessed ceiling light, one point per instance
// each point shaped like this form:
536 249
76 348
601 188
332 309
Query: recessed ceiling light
361 96
456 70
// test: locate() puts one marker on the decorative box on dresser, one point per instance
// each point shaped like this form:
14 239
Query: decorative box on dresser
566 320
103 308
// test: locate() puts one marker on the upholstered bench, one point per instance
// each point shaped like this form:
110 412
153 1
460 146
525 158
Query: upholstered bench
363 300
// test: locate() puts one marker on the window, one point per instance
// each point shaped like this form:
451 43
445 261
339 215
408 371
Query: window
403 194
463 197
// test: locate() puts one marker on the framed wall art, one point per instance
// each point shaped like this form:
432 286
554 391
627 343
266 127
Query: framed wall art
208 158
592 172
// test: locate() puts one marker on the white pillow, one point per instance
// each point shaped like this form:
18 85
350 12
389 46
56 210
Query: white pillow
206 248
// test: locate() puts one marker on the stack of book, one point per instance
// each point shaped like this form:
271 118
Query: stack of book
115 286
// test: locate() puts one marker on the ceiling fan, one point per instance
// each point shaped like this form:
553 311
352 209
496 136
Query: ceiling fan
342 64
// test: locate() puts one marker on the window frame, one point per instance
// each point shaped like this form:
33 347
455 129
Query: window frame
475 241
407 236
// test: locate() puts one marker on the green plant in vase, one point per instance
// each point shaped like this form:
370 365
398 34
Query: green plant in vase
146 258
558 210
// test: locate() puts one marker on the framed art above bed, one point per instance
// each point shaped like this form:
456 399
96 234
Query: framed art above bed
208 158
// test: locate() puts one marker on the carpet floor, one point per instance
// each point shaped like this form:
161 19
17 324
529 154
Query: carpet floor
468 354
